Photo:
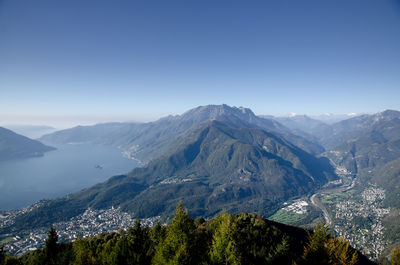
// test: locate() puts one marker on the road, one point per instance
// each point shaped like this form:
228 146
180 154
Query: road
314 200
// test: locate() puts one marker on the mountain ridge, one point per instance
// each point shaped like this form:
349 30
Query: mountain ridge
145 141
16 146
216 166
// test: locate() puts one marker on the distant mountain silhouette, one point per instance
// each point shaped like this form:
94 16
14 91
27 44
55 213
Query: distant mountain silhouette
146 141
15 146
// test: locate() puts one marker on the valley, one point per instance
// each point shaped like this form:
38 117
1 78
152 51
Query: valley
219 158
199 132
351 211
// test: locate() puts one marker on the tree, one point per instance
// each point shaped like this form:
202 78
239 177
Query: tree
223 247
51 247
2 255
323 249
315 252
396 256
179 245
340 252
120 254
157 234
140 244
11 261
81 252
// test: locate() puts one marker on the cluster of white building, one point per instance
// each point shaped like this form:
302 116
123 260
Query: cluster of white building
366 233
89 223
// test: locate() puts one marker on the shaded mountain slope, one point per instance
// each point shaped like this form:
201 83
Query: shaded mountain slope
305 126
367 141
369 147
343 131
15 146
212 167
230 168
146 141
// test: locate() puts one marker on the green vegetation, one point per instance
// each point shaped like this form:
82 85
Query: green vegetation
396 256
6 240
226 239
286 217
146 141
308 220
323 249
214 166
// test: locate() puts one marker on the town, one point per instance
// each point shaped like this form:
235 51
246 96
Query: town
90 223
359 220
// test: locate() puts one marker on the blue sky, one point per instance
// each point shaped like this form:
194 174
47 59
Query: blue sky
88 61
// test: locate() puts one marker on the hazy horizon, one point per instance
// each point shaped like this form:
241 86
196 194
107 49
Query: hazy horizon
66 63
63 122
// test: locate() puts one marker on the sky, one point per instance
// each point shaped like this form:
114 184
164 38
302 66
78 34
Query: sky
64 63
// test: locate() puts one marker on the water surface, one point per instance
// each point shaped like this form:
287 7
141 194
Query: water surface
68 169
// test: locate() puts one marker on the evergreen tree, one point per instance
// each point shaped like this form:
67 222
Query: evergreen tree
120 254
223 247
81 252
279 254
140 244
323 249
157 234
396 256
11 261
107 249
340 252
51 247
2 255
315 252
180 241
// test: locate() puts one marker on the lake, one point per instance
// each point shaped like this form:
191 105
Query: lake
68 169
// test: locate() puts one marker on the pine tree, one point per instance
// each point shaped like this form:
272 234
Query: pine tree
396 256
9 260
180 241
315 252
340 252
51 247
324 249
223 247
2 255
121 251
81 252
140 244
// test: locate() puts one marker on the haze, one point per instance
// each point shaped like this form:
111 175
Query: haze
64 63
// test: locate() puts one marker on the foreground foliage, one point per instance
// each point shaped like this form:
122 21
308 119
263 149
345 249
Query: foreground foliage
226 239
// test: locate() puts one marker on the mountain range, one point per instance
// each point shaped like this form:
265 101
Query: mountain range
217 157
31 131
146 141
15 146
219 164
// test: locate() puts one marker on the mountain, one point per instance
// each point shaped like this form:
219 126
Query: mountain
304 125
368 146
216 165
330 118
31 131
15 146
365 142
146 141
